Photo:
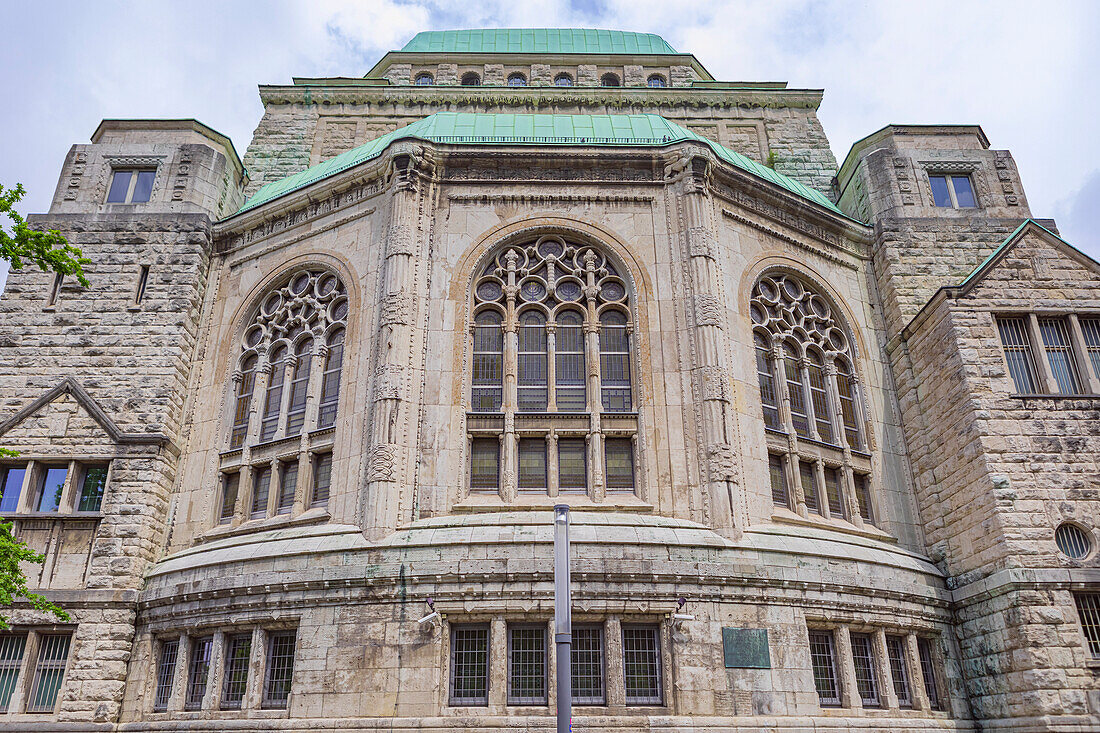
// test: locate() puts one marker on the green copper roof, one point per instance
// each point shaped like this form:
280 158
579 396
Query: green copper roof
470 128
537 40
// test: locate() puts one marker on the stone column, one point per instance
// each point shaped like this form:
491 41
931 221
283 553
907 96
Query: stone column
594 444
552 466
498 664
179 676
509 445
613 663
1045 375
212 699
254 687
849 692
887 694
916 676
17 702
1090 381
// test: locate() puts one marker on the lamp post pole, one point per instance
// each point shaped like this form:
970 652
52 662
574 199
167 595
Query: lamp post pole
563 621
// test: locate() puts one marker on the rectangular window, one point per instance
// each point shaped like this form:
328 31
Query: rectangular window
769 397
166 673
808 476
238 650
820 402
1017 348
863 498
846 389
485 464
92 485
131 186
487 367
619 464
261 485
833 494
1090 328
777 470
928 672
53 653
469 665
51 483
288 485
642 665
569 374
322 479
572 465
532 464
12 647
863 656
1060 354
587 666
299 384
197 672
280 669
899 673
615 368
823 661
527 665
954 192
1088 609
795 391
11 483
231 484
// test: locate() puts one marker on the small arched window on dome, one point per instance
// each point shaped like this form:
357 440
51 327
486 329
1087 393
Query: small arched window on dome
516 79
656 81
610 80
424 79
563 80
471 79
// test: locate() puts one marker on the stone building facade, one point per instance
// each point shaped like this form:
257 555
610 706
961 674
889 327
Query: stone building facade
844 420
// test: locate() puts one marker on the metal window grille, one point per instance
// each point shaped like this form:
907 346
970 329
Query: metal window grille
532 464
166 673
1088 610
330 381
863 657
244 403
899 673
833 493
12 647
769 395
1090 328
797 393
572 465
485 464
777 471
12 486
197 672
469 665
1072 541
928 672
53 653
808 476
615 363
532 356
569 372
288 485
280 669
846 389
299 384
273 402
642 665
322 479
527 665
1060 354
863 498
1017 348
231 483
487 394
92 487
820 402
619 464
586 663
237 654
261 485
823 661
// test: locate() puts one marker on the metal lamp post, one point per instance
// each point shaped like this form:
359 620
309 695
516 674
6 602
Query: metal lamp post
563 621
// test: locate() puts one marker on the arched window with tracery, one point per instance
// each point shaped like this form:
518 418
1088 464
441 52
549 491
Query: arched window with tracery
287 385
552 347
809 390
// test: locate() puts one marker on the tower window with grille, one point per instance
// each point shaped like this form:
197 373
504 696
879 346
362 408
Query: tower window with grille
322 479
238 650
928 672
1090 330
642 665
863 656
1088 610
808 477
586 663
166 673
899 672
280 669
863 498
777 472
53 653
527 665
12 647
197 672
834 494
823 661
1060 354
261 486
469 665
1017 348
288 485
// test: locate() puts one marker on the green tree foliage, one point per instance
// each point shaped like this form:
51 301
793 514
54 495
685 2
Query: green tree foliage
51 252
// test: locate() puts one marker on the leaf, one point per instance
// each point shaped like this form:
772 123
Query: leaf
49 250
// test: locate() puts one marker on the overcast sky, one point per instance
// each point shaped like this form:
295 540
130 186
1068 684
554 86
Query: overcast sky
1028 72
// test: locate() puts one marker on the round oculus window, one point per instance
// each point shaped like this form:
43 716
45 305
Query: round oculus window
1073 541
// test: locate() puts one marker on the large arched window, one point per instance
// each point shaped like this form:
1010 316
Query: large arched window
555 314
808 390
287 389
